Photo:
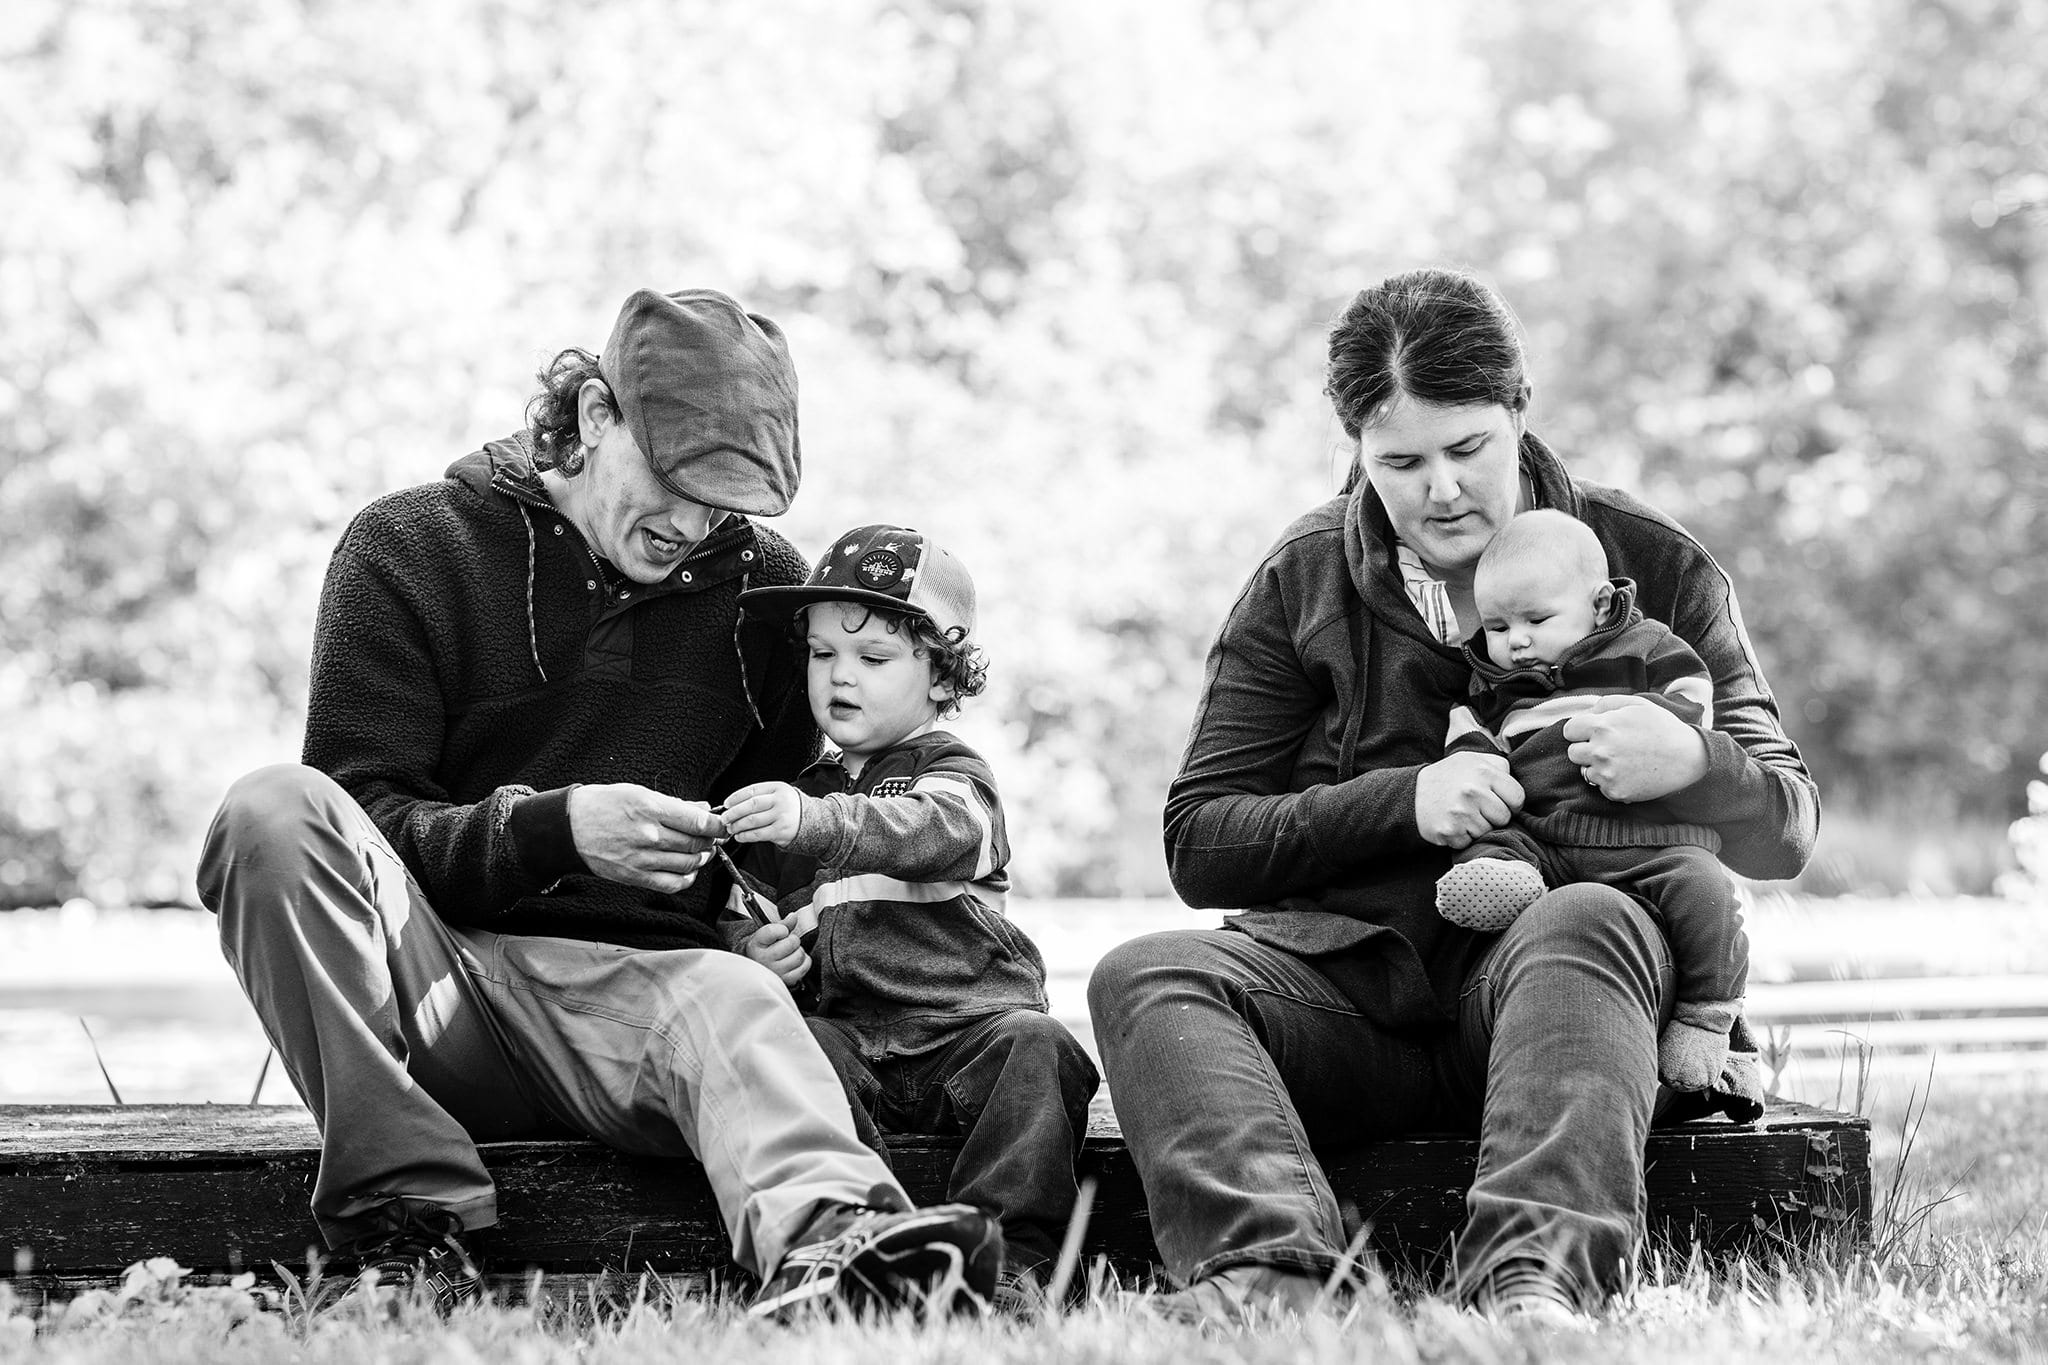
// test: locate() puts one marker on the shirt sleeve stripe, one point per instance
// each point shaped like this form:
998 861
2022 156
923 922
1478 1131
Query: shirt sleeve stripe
1700 693
1549 711
951 784
874 886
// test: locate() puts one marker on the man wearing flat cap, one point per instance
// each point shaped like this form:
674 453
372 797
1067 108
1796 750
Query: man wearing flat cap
475 912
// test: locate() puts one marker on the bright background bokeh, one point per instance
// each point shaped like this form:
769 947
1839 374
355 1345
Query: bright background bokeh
146 995
1056 275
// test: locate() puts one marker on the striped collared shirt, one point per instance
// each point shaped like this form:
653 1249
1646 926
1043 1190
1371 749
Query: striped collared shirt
1430 596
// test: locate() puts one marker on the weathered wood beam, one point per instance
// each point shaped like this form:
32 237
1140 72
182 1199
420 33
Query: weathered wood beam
85 1191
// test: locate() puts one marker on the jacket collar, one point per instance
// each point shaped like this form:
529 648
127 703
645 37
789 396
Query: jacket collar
830 770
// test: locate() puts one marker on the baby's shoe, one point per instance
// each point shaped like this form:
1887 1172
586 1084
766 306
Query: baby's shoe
1486 894
1694 1045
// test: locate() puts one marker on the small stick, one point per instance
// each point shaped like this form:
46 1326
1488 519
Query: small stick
758 906
257 1093
97 1060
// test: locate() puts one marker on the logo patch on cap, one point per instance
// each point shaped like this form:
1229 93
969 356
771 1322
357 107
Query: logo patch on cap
879 570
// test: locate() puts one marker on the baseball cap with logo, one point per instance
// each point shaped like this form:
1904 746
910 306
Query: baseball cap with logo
883 566
709 393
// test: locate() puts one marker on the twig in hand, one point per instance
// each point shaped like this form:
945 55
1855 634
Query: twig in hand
98 1062
756 905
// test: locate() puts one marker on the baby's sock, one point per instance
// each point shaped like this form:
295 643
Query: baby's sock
1486 894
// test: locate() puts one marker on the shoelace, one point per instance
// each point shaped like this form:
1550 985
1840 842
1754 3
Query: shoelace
409 1229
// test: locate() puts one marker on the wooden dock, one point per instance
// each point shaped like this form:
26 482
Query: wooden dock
87 1190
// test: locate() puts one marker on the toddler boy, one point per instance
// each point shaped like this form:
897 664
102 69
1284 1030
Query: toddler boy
1558 635
886 863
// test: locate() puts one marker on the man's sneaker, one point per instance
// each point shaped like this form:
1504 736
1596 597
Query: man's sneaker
415 1250
860 1257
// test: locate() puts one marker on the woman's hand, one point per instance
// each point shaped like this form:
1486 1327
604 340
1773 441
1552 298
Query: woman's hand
635 835
1463 795
1631 749
765 813
781 952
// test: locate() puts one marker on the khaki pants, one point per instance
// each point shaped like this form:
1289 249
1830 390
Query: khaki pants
411 1040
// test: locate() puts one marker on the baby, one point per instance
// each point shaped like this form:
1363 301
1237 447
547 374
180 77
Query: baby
1558 635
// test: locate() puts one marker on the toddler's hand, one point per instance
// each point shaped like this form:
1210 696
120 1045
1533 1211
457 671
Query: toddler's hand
781 952
765 813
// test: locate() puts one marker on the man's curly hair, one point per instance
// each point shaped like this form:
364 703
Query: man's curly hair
551 420
957 662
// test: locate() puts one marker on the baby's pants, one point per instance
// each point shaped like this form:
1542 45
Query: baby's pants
1685 887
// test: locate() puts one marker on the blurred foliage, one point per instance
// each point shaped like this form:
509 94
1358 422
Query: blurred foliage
1056 273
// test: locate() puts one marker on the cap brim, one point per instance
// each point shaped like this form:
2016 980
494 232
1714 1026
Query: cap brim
771 603
739 500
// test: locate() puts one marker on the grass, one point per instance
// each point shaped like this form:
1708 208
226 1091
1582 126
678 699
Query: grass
1958 1268
1988 1309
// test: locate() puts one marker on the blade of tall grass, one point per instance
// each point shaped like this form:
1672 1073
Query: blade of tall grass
1898 1220
100 1062
1070 1245
1341 1274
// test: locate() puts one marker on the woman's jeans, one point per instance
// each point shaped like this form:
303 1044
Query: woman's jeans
1230 1063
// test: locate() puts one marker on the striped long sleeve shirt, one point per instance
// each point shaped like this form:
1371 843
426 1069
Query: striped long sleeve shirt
899 880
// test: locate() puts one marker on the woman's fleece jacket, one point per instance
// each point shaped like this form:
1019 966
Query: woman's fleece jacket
1326 694
472 662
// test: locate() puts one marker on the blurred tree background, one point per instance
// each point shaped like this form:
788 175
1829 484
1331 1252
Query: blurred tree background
1056 274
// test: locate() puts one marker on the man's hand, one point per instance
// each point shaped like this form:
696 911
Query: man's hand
765 813
1463 795
1631 749
781 952
637 836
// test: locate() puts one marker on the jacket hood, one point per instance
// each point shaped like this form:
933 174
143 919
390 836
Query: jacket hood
502 466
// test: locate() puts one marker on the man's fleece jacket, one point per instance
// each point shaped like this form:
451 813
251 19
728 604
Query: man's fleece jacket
1326 694
472 661
1520 713
902 876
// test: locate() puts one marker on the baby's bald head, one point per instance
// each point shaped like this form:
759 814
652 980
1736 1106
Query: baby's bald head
1542 543
1540 587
